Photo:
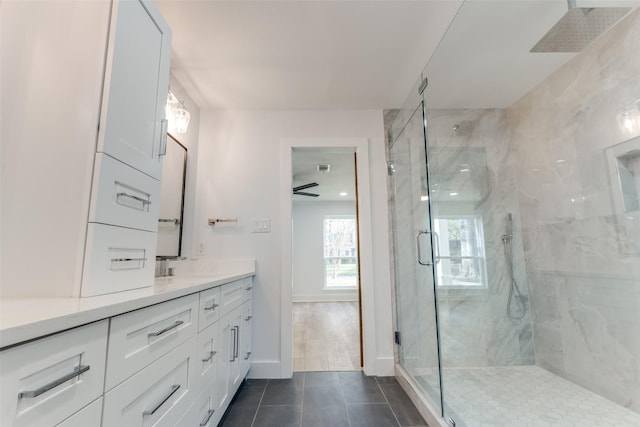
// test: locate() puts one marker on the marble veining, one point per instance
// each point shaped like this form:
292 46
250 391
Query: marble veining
582 254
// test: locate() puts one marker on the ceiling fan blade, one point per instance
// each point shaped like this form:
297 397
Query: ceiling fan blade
302 193
305 186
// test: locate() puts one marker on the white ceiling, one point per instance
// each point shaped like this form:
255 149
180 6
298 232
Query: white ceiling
339 179
360 54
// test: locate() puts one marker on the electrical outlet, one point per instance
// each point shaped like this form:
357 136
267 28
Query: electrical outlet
202 249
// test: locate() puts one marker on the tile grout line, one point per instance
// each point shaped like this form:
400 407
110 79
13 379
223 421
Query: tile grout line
387 400
255 415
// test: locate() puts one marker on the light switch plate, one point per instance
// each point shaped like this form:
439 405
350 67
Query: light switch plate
261 226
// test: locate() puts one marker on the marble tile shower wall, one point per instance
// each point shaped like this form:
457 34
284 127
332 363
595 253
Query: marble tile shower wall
583 254
475 329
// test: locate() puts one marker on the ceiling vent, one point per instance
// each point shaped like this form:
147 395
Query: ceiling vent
324 168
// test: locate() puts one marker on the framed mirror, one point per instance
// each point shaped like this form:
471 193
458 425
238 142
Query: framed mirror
171 218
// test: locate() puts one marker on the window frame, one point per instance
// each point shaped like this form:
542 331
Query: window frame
325 285
482 257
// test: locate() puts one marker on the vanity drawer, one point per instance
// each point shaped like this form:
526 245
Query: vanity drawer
117 259
88 416
124 196
209 307
207 357
231 296
156 396
203 412
142 336
45 381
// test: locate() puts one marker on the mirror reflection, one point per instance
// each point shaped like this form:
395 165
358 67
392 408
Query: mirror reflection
172 191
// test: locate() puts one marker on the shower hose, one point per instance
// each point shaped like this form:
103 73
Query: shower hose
513 287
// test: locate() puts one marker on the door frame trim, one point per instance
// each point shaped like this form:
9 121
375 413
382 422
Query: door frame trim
361 148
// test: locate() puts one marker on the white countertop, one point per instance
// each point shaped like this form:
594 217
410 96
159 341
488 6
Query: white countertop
23 319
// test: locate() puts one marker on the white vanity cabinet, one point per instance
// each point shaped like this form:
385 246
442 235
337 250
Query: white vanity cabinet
172 363
45 381
84 139
136 86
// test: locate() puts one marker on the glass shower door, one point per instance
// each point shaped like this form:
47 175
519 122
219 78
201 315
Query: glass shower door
415 299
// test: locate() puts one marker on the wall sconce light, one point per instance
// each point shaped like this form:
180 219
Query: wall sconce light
177 115
629 118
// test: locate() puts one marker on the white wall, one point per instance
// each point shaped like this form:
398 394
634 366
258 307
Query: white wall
239 176
307 255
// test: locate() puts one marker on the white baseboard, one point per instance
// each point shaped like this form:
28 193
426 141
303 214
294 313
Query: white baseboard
265 369
338 297
385 367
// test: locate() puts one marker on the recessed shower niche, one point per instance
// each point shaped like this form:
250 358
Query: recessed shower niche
623 161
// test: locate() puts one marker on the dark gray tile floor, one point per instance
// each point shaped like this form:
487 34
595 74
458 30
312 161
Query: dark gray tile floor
322 399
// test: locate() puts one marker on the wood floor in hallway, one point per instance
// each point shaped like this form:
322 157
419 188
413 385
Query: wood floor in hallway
326 336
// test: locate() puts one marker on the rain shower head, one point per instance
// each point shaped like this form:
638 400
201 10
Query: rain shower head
579 27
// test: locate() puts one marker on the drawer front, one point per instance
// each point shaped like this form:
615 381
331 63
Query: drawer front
123 196
117 259
209 307
203 412
142 336
248 288
47 380
86 417
208 356
156 396
231 296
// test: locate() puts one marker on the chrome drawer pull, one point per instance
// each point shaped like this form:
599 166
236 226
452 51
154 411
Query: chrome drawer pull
136 198
212 307
248 288
78 370
248 318
248 355
128 259
211 354
167 329
237 343
174 388
164 127
206 420
235 337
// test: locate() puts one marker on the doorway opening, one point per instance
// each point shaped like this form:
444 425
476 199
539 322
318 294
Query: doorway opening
325 261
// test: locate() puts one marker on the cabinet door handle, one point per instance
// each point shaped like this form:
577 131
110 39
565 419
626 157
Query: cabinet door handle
211 307
136 198
233 352
78 370
248 355
167 329
207 418
237 344
211 354
174 388
248 318
164 126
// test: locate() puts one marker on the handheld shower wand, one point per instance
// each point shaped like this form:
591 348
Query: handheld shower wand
513 286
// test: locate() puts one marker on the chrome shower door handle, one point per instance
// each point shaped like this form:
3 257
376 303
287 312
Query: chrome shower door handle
418 234
437 248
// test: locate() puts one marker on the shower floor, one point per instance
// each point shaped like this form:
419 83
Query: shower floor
523 396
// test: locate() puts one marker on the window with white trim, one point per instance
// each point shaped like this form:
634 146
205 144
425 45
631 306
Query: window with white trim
461 253
340 252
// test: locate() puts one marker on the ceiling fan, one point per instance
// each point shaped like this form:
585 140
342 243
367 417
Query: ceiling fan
296 190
